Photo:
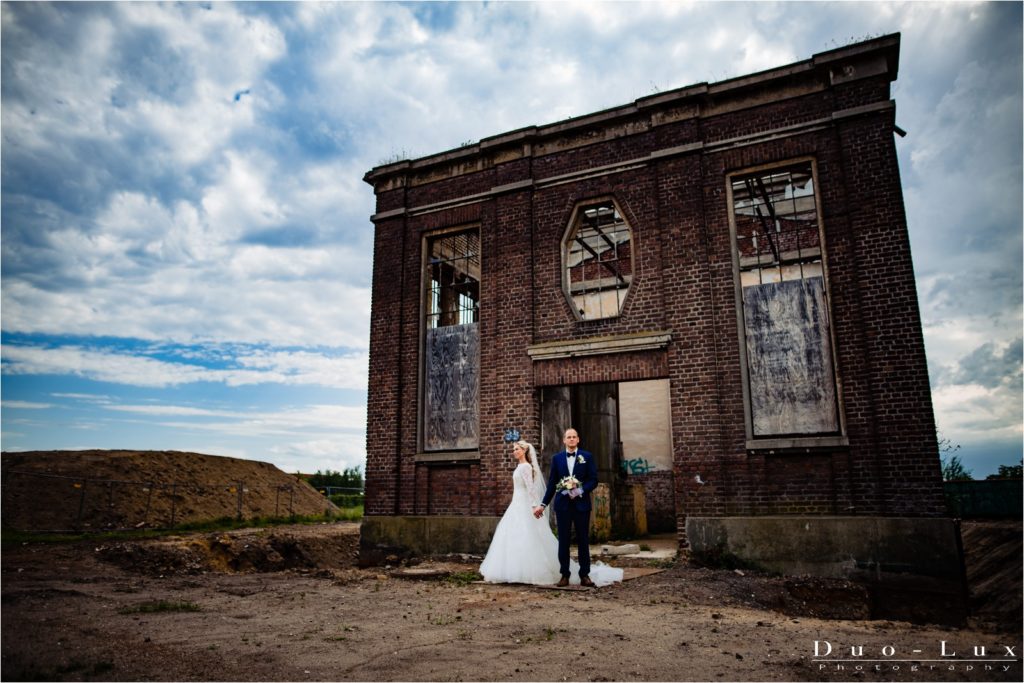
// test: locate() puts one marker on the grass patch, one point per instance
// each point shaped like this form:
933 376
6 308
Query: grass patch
162 606
350 514
663 563
443 619
463 578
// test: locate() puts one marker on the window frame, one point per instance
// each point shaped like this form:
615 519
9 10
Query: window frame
426 238
783 442
570 230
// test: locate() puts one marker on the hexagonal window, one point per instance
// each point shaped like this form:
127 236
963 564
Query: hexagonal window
597 258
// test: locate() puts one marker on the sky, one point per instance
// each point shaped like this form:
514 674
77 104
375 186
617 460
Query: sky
186 243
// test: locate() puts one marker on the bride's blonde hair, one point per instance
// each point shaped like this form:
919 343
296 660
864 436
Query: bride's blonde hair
531 457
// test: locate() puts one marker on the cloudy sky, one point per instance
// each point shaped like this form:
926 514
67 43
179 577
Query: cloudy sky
186 238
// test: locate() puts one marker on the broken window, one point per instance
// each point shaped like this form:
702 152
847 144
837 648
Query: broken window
452 353
786 329
598 260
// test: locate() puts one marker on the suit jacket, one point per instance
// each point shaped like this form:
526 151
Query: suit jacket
585 471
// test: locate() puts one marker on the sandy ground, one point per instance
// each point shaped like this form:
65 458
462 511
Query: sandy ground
71 612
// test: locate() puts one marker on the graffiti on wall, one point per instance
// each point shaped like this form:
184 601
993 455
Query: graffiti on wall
637 466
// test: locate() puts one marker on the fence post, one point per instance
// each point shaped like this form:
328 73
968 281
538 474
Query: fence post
81 504
291 501
149 500
174 501
241 487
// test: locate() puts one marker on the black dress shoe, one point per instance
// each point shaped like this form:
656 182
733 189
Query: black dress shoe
563 582
585 581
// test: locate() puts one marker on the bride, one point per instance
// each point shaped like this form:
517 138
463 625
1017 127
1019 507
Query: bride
523 549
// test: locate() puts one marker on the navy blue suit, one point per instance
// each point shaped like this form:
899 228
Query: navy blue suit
572 512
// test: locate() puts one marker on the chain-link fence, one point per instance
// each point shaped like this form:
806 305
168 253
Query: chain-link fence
41 501
343 496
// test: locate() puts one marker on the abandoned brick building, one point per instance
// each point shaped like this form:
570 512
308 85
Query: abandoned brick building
713 285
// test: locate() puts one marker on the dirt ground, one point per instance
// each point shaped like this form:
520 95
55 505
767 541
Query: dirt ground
292 604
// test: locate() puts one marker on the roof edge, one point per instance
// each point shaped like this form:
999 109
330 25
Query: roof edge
888 44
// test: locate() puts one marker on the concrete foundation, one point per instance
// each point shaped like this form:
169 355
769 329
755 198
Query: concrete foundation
383 537
913 566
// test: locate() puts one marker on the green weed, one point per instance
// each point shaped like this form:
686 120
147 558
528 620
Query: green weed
463 578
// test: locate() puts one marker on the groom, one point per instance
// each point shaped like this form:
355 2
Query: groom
572 505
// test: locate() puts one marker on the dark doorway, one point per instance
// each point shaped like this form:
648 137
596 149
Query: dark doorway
593 411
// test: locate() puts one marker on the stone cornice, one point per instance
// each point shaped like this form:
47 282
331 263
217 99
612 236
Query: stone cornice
639 162
594 346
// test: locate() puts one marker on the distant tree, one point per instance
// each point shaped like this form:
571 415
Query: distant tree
350 477
945 445
1009 472
954 470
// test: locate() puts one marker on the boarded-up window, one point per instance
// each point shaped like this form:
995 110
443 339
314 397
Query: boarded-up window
790 374
452 353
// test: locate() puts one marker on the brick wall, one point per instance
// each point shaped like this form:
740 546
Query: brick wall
683 282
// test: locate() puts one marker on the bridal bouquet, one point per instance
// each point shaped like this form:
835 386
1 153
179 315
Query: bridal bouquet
569 486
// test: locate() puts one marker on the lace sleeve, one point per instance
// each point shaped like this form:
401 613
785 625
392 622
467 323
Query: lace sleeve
531 487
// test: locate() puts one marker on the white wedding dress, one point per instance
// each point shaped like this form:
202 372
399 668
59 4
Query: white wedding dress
524 550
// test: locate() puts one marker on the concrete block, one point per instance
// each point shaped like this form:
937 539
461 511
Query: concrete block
408 535
625 549
907 562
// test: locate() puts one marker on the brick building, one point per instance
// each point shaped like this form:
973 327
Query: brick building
713 285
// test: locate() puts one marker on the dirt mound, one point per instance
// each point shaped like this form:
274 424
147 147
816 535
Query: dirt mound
321 547
992 555
89 490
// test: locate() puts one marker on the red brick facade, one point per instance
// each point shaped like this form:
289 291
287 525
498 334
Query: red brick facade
665 161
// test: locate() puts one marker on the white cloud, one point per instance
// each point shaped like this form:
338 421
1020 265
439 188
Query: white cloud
254 423
89 398
242 200
321 454
971 413
182 411
288 368
224 52
143 200
25 405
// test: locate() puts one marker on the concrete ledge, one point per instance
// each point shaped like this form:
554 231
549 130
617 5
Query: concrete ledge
624 343
912 565
381 537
